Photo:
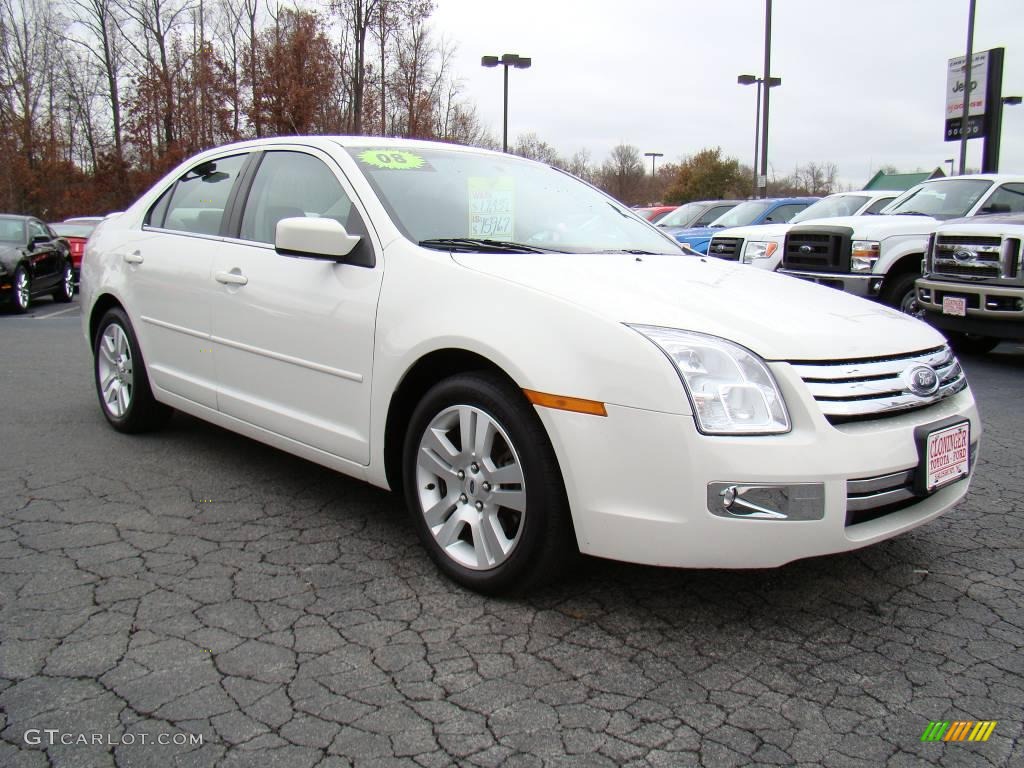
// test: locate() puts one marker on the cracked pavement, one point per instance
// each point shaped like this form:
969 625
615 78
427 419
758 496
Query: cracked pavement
194 582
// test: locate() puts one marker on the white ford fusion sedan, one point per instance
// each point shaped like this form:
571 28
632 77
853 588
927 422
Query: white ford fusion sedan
535 368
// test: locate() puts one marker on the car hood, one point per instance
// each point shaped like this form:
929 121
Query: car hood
778 317
878 227
755 231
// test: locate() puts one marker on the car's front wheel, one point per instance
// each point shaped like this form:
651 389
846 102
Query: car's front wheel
902 295
483 486
971 343
121 382
22 287
65 292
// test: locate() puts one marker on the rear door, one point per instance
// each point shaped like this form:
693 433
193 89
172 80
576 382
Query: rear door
169 278
44 255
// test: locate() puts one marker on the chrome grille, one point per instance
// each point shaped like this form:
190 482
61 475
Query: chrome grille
963 256
871 497
726 248
861 389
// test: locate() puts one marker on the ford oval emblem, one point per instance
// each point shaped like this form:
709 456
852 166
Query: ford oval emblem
962 254
805 249
921 380
719 247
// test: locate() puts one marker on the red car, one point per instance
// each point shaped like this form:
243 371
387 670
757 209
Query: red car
654 213
76 232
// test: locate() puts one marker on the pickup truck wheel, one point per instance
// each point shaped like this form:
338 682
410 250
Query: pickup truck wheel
971 344
121 381
902 295
483 487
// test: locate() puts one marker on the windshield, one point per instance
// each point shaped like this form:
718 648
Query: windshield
946 199
742 214
682 216
12 230
437 196
847 205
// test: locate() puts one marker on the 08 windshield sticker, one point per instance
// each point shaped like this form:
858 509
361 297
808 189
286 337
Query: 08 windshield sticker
491 207
394 160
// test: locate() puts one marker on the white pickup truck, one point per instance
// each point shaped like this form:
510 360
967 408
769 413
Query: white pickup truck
973 283
761 245
880 256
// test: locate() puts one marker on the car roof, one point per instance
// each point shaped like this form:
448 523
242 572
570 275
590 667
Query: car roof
982 176
15 216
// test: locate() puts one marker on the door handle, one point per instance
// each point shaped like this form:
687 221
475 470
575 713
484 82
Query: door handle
135 257
231 278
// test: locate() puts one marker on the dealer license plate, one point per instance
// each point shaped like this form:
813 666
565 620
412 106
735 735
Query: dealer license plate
947 455
954 305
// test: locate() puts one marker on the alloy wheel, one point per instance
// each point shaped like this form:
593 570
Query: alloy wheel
22 290
115 372
470 487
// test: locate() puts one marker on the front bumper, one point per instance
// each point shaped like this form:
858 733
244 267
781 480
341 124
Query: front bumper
638 482
866 286
991 310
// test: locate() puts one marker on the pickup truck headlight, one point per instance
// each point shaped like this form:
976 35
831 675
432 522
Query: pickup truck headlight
730 388
758 250
865 254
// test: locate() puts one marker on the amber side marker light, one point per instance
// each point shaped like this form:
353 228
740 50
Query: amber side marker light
575 404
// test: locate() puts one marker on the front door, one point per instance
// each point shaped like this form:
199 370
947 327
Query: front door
294 336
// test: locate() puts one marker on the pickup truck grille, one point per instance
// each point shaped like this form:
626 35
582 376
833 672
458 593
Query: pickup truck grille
851 390
974 257
817 249
728 248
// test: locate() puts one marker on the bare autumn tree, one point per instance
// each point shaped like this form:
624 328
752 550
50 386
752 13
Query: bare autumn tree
358 18
102 42
622 174
157 21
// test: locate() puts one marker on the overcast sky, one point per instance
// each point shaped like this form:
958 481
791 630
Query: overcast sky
863 80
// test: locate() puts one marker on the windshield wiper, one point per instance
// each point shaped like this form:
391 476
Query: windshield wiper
484 245
910 213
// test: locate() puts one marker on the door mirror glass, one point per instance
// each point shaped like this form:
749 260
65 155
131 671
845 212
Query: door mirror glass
314 238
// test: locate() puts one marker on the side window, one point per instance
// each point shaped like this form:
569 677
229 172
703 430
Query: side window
1009 198
37 229
879 204
156 215
711 214
294 184
197 200
784 213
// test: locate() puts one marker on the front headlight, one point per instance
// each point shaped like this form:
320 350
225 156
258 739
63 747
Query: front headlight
758 250
730 388
865 254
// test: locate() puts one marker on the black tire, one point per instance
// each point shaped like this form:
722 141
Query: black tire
970 343
543 539
21 299
902 295
142 413
65 292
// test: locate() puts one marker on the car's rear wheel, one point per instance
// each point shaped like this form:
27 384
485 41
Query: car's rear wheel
22 290
66 290
121 381
483 486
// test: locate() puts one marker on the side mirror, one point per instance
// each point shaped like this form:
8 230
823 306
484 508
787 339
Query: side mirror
314 239
38 240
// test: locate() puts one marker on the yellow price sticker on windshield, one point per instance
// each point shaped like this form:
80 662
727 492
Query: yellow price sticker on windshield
392 159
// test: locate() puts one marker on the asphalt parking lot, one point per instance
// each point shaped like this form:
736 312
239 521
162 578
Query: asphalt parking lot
193 598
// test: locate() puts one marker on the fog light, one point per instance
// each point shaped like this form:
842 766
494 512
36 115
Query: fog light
924 294
766 501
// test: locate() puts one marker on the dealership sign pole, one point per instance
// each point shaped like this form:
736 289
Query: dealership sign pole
984 105
968 88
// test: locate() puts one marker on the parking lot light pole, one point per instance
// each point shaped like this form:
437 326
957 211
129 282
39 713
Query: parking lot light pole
507 60
950 161
653 155
759 81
